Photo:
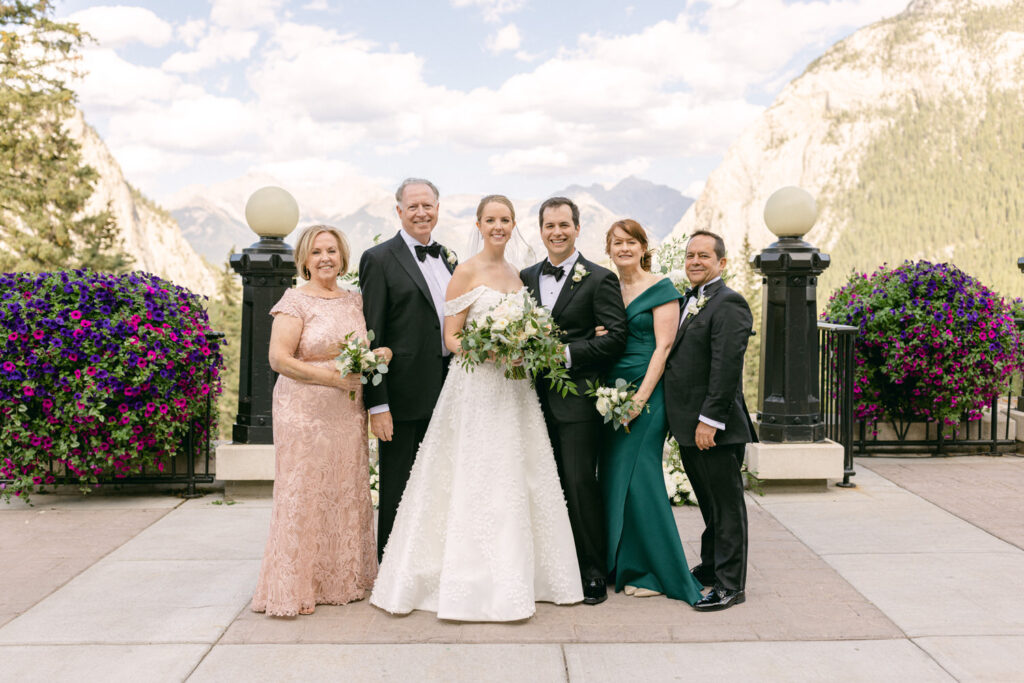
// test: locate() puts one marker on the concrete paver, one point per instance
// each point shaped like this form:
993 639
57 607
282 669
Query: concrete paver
885 581
992 502
848 660
371 663
107 663
978 658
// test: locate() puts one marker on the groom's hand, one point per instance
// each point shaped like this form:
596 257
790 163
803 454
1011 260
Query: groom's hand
705 436
382 426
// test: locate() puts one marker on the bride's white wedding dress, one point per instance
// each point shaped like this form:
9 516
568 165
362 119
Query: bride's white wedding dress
482 531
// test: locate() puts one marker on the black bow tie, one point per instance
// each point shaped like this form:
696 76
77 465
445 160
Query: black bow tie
557 271
433 251
692 291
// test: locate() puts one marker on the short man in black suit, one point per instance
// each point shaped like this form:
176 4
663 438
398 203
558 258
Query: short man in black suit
708 416
581 296
403 282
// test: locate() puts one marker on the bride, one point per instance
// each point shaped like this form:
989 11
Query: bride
482 531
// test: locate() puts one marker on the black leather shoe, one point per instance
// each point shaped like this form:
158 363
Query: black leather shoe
704 575
594 592
720 598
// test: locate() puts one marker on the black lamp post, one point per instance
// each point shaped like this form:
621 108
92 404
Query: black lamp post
788 401
267 269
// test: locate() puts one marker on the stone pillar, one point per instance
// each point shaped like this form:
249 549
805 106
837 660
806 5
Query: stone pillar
790 426
268 270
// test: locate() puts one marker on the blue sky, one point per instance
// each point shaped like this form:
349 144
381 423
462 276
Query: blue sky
515 96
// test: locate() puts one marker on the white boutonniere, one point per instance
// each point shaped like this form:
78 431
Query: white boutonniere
450 256
579 272
694 305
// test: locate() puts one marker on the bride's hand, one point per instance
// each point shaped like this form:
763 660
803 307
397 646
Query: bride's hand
384 353
600 331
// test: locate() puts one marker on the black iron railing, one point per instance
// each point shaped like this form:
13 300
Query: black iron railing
835 373
189 466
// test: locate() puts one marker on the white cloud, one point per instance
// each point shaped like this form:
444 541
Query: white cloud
492 9
695 188
244 13
506 39
112 82
201 124
316 6
220 45
119 25
191 31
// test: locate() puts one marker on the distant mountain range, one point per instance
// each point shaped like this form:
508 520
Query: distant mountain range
212 218
909 133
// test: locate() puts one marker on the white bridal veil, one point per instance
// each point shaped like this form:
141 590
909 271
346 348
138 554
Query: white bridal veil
517 252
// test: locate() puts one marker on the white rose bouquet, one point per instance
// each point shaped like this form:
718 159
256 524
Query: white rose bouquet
356 357
520 335
615 403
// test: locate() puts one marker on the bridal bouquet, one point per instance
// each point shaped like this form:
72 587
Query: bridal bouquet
356 356
519 334
614 403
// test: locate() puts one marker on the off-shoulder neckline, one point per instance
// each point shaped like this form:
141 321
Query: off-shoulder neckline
490 288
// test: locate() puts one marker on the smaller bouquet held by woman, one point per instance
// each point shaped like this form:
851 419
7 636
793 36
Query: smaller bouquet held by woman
617 404
519 334
356 357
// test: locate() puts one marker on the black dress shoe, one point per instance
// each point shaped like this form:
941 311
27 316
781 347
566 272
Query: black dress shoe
720 598
704 575
594 592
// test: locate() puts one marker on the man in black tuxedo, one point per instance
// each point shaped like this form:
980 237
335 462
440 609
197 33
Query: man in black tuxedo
403 282
708 416
581 296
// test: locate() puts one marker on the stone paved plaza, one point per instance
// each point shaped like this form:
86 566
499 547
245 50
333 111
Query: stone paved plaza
915 575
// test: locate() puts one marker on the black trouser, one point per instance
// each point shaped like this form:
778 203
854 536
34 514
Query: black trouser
394 465
576 446
718 484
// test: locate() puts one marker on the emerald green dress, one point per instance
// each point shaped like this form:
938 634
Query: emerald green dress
644 549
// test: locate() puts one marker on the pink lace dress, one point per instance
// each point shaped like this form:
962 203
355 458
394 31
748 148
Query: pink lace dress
321 548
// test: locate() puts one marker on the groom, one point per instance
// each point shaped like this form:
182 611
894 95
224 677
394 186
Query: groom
581 296
403 282
708 416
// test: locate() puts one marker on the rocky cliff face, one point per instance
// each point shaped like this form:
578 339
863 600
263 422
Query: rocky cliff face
923 82
150 235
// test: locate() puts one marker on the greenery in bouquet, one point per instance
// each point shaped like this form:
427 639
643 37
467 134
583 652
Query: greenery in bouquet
520 335
614 403
934 343
355 356
102 375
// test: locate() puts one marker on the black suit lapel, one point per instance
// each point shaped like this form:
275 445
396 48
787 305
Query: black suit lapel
405 258
532 280
570 288
709 293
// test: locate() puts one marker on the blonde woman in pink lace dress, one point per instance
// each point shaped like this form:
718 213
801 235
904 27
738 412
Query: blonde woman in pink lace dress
321 548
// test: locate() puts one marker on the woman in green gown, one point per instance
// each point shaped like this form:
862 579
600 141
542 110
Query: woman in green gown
645 555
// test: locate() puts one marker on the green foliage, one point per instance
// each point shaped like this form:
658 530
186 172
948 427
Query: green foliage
942 182
43 183
226 316
748 283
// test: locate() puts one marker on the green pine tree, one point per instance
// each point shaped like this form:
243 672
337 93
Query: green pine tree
226 316
44 185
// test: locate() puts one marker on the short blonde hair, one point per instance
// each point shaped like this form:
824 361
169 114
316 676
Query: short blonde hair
305 245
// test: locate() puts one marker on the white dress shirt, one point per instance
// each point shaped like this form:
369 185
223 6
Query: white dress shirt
435 272
550 289
700 293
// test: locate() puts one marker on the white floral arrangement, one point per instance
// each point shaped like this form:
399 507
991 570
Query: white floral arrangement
521 335
677 484
579 272
694 305
356 356
450 256
614 403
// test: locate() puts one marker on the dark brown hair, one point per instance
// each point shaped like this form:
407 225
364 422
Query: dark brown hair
555 202
719 242
637 232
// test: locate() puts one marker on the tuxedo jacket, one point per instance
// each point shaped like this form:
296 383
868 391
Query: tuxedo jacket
399 309
580 307
704 370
